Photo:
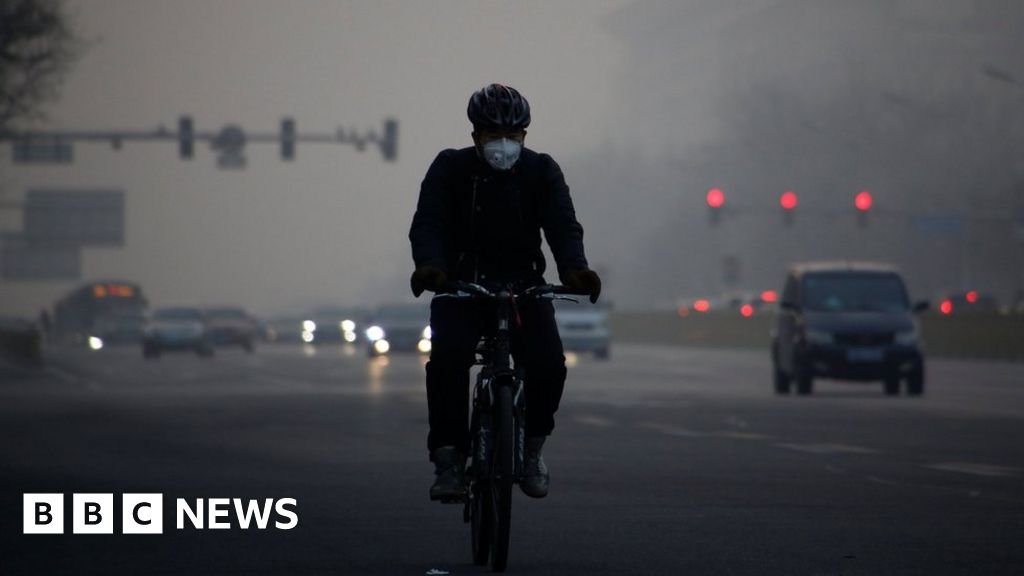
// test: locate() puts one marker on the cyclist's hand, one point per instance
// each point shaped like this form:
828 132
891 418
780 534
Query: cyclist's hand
427 278
583 281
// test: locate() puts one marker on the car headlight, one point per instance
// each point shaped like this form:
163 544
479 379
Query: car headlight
309 326
374 333
907 337
818 337
95 342
347 326
427 333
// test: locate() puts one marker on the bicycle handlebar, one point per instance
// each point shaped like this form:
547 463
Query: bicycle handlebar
456 288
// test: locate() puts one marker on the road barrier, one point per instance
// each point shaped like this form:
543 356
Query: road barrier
981 336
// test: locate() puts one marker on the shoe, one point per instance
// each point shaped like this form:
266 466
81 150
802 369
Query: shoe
450 470
535 473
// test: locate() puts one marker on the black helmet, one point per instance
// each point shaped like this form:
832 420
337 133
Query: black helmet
498 107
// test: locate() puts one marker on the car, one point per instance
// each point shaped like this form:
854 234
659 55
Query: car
584 327
399 328
231 326
176 328
288 329
966 302
333 325
847 321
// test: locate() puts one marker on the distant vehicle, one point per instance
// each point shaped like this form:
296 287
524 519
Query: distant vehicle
75 316
966 301
231 326
399 327
849 321
283 330
176 329
121 327
329 325
584 327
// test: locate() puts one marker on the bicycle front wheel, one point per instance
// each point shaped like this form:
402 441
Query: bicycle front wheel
502 472
481 521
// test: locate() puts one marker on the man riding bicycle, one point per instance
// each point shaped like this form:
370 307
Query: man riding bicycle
479 219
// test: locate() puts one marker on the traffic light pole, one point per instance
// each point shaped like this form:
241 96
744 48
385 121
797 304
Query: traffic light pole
55 146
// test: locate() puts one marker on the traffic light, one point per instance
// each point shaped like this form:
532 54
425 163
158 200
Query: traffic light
389 142
715 199
186 137
863 201
288 139
789 202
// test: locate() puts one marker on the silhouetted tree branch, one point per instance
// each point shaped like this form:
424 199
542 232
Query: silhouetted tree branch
37 48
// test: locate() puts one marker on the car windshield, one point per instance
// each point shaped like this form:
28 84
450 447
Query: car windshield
178 314
854 292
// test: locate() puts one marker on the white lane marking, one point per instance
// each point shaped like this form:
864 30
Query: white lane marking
70 378
976 469
836 470
741 435
594 420
672 430
62 375
736 421
828 448
882 481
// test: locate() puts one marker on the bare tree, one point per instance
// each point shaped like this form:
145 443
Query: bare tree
37 48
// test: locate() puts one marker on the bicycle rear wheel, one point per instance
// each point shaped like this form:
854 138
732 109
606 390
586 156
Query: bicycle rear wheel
502 472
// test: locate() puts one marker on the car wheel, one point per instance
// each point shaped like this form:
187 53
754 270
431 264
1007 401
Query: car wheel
248 346
150 352
915 382
781 380
892 385
602 354
205 351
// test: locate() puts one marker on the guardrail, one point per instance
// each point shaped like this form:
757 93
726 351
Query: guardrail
979 336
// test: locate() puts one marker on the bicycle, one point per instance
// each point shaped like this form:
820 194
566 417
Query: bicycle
496 425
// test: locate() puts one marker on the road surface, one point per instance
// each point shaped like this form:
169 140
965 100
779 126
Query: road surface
665 461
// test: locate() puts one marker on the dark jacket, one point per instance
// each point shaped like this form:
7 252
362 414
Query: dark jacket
479 224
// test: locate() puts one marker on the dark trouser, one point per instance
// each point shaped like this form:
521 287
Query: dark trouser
457 326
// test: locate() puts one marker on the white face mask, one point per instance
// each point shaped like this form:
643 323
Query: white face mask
502 153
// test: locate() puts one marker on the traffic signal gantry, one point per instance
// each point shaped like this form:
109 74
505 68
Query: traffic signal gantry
56 147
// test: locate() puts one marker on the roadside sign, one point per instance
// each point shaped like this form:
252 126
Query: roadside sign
74 217
42 150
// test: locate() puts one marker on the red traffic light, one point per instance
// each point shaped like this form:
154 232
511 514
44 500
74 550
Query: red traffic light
716 198
788 200
863 201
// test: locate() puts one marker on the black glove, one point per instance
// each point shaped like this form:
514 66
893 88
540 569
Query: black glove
583 281
427 278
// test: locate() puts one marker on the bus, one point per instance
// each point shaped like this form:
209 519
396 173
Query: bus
113 310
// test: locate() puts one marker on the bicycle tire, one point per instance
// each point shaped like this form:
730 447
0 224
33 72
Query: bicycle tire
481 521
502 472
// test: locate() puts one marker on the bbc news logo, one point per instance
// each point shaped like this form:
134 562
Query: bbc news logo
144 513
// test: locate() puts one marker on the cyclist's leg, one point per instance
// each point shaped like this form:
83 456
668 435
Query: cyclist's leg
456 327
538 348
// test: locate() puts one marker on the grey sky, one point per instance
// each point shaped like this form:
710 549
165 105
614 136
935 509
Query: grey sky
332 225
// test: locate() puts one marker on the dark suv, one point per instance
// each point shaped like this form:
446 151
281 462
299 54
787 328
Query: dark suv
849 321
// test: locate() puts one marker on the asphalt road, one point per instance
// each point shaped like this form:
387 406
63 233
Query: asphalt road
665 461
